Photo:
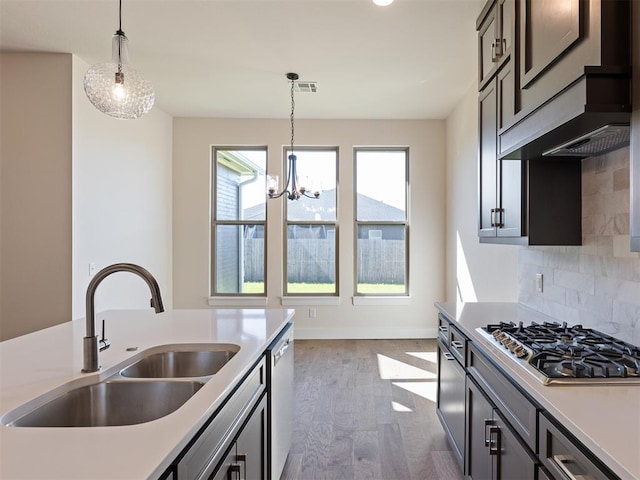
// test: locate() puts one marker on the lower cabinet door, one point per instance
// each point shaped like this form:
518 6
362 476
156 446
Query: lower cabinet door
513 459
229 469
451 401
251 444
479 424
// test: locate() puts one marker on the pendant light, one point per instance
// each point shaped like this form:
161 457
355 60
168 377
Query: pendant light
116 88
292 187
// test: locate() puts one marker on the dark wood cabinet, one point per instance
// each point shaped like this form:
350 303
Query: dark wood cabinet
479 419
549 29
501 186
251 444
450 401
246 458
572 73
550 71
564 458
496 33
494 451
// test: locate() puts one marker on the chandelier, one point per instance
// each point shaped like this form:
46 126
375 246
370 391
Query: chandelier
292 188
116 88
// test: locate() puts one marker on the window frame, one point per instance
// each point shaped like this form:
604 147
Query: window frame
286 223
359 223
214 223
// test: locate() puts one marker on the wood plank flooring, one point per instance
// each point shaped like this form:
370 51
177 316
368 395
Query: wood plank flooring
365 409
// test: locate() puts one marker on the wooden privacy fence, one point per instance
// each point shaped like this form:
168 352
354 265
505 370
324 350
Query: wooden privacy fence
312 260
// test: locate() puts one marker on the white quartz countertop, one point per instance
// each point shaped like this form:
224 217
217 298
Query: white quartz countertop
605 418
36 363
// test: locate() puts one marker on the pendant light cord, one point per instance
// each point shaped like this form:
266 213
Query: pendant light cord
292 108
120 19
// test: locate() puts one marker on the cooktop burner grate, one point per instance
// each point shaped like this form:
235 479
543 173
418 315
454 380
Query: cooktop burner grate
563 352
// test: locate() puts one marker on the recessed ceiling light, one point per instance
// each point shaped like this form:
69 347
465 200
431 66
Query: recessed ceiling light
383 3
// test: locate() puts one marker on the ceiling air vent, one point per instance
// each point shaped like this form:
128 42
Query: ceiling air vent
305 87
602 140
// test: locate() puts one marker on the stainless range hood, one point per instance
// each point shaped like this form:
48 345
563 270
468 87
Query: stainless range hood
604 139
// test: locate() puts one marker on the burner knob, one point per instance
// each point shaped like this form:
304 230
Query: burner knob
520 352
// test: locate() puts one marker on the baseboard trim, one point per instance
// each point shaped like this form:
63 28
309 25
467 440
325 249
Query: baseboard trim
301 333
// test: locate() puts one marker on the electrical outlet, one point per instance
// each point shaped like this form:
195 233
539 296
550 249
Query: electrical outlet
539 282
312 313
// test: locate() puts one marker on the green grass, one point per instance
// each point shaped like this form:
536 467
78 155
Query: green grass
313 288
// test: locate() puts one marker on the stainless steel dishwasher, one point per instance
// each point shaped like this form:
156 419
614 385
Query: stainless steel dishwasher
280 400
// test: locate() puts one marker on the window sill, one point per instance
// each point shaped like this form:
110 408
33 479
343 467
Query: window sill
237 301
381 301
308 300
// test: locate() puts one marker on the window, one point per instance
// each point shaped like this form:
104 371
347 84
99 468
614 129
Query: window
238 221
311 267
381 260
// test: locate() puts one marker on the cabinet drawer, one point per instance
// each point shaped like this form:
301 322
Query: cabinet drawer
516 408
453 339
209 447
565 458
443 329
458 345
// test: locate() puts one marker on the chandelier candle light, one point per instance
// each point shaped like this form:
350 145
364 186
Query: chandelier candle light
115 88
293 189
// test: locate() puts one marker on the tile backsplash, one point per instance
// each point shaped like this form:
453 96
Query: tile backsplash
596 284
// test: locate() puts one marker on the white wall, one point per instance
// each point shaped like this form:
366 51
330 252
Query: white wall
475 272
121 201
35 173
192 142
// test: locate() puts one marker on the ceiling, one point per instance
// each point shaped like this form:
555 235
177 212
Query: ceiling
228 58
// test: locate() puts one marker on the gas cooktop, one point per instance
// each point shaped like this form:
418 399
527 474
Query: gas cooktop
558 353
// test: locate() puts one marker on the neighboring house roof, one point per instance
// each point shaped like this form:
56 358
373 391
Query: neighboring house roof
323 208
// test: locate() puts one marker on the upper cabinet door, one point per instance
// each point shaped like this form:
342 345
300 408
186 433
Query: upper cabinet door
487 39
549 29
496 33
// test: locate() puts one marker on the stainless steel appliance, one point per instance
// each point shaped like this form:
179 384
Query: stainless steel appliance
280 400
558 353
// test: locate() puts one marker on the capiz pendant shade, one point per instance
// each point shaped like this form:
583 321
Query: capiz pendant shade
116 88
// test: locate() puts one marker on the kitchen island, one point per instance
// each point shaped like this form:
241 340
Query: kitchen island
37 363
604 418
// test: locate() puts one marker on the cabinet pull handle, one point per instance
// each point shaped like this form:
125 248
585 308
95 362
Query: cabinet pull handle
457 344
487 437
443 329
233 469
280 353
448 356
496 50
563 462
497 223
495 445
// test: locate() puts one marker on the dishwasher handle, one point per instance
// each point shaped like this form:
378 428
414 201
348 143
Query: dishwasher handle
281 351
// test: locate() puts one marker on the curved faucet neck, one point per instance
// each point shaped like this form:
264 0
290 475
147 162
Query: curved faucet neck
91 358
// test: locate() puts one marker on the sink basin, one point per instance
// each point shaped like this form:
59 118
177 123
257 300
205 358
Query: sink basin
182 361
111 403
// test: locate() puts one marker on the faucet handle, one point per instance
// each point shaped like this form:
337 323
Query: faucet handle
103 343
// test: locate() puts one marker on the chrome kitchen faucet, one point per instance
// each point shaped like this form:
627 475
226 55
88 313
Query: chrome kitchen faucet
92 346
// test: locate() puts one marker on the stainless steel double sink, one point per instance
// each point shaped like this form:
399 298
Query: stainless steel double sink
152 386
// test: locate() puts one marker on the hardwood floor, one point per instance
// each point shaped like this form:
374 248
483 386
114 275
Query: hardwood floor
365 409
